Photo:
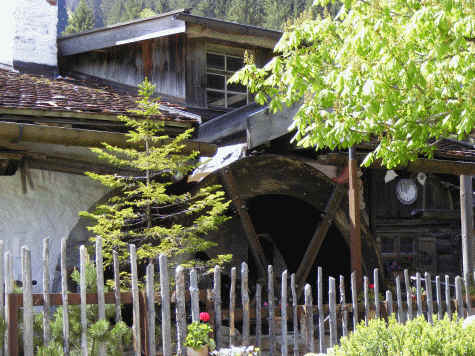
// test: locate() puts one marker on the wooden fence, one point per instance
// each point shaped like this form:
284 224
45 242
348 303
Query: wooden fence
312 327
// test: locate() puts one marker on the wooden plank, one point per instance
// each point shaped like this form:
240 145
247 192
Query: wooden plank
64 294
150 295
118 313
13 325
400 311
389 303
246 221
459 297
194 293
438 293
344 312
136 31
232 307
245 304
376 293
83 292
354 212
283 313
258 315
447 296
354 299
217 307
294 315
11 344
366 300
419 294
166 313
429 300
101 304
318 237
407 283
271 309
321 326
332 305
135 302
308 319
46 291
180 311
27 302
466 218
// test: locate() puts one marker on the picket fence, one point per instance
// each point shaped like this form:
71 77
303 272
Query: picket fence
341 317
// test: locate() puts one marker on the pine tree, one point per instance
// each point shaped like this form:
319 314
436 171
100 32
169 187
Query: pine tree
246 11
82 19
145 211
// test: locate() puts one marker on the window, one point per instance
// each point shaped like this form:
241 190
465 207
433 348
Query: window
219 93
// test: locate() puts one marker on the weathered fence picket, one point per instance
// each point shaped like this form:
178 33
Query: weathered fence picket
166 309
407 282
376 292
344 312
135 302
294 314
64 293
400 311
354 299
283 314
419 294
83 292
270 308
46 290
430 306
101 303
258 315
27 302
458 297
150 294
308 318
245 304
232 307
366 300
118 312
438 294
332 307
447 296
195 296
321 325
389 302
217 307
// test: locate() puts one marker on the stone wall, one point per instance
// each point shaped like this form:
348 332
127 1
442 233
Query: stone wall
49 208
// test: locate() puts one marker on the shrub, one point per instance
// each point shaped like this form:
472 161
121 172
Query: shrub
415 338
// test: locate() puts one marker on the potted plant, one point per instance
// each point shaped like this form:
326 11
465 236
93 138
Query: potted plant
198 339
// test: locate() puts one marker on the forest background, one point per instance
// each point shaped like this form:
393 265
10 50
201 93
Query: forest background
271 14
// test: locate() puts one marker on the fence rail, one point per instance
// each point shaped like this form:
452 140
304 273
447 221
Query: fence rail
290 329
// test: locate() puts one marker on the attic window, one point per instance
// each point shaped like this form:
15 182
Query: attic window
220 67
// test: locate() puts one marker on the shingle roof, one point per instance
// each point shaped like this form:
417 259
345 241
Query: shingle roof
34 92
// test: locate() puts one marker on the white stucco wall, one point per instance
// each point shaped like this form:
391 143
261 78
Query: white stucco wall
28 32
7 31
49 210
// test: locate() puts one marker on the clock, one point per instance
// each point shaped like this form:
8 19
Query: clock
406 191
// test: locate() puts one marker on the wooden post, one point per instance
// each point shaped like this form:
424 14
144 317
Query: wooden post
118 313
354 204
283 313
11 342
366 300
309 318
419 294
101 304
354 300
217 307
389 303
83 292
438 293
232 307
150 300
270 301
407 282
318 237
376 292
466 217
459 297
344 312
332 309
135 305
400 311
447 296
64 293
429 301
180 311
245 304
27 302
166 312
321 325
246 221
13 326
295 321
258 315
195 297
46 291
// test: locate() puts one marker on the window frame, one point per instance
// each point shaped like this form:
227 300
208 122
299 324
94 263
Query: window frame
226 74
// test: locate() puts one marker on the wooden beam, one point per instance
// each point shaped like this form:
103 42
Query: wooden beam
419 165
246 221
80 115
78 137
204 31
318 237
466 217
355 216
134 31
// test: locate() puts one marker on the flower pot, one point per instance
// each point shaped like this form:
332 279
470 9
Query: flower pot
200 352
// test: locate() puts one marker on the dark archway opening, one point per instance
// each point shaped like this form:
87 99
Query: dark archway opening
290 223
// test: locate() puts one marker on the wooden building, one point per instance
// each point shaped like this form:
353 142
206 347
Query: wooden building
290 206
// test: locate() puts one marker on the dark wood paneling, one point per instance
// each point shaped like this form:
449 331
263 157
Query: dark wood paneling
196 72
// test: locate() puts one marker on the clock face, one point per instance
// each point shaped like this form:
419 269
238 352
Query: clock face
406 191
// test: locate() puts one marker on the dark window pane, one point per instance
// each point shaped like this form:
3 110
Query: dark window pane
215 98
387 245
216 81
406 245
236 100
234 64
215 61
237 87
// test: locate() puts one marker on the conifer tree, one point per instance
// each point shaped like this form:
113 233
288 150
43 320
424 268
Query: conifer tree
82 19
144 210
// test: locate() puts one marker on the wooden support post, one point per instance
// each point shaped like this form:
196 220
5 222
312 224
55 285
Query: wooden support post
320 233
466 216
13 327
354 204
246 221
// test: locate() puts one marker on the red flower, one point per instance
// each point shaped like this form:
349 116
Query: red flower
204 317
371 286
